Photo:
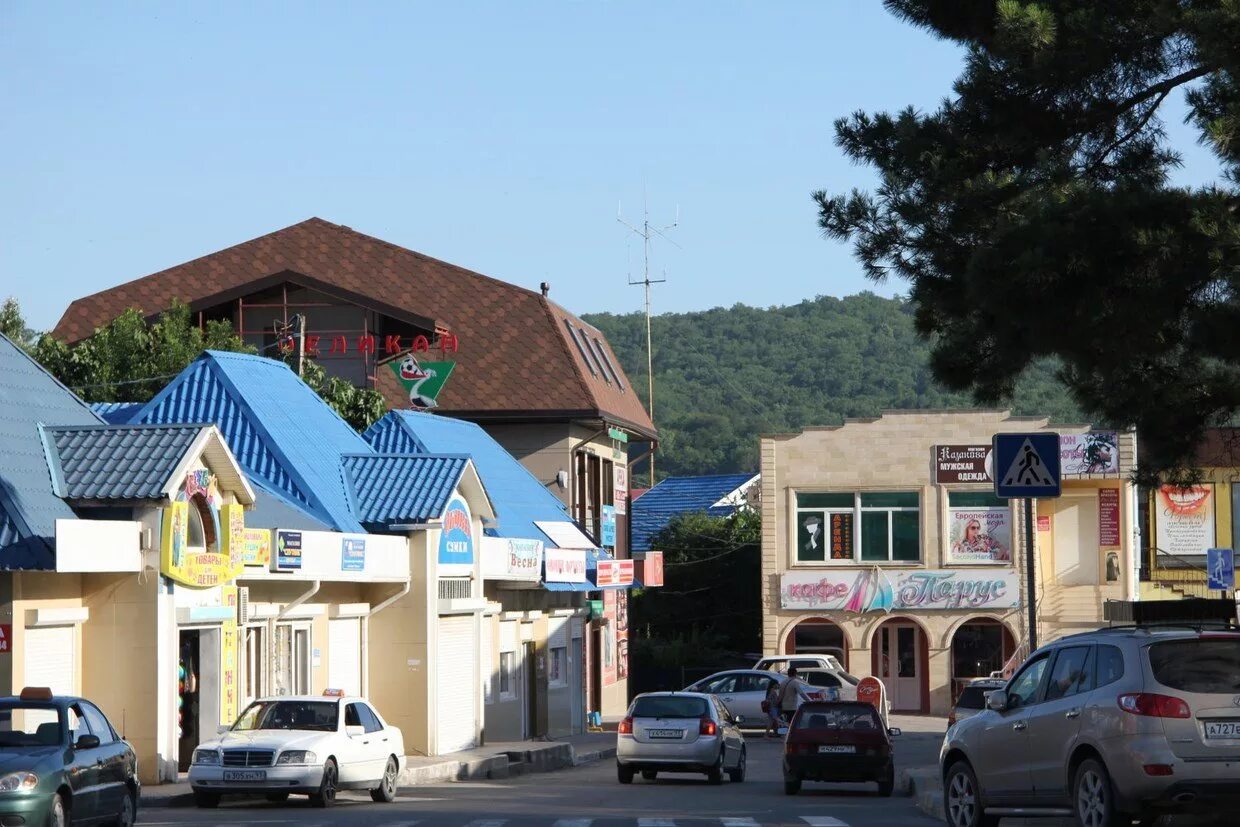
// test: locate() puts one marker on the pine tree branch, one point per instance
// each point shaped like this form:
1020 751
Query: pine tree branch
1161 88
1127 136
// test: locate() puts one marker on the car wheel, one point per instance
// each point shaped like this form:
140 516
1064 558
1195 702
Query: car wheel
385 793
792 786
127 813
326 796
650 775
206 800
887 784
56 816
738 775
624 774
714 775
962 799
1093 797
276 798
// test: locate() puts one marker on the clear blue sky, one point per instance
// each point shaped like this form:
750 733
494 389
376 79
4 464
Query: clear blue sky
499 136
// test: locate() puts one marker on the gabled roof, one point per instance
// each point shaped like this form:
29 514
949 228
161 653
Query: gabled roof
524 499
517 354
116 413
30 396
401 489
136 462
684 495
281 431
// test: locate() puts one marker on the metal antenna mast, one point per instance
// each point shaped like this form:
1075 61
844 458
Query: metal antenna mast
646 233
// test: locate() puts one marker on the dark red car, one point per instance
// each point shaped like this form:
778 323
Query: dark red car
838 741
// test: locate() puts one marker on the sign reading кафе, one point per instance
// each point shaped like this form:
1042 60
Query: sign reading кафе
899 589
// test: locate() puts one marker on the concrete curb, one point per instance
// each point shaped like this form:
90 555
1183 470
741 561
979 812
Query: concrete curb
926 787
547 757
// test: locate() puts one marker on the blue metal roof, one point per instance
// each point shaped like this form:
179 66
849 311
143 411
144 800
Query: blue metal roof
651 513
401 489
281 432
116 462
116 413
521 497
272 510
29 396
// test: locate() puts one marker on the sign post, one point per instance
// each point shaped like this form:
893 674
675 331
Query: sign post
1027 466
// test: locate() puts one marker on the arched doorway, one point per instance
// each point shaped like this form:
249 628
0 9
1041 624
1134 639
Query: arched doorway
900 658
979 646
817 636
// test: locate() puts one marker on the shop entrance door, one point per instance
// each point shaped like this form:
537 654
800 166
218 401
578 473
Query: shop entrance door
899 665
198 685
576 681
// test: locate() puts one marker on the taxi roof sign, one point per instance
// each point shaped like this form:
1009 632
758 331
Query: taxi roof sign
333 693
1027 465
36 693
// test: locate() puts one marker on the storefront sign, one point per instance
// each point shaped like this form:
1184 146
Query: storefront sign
620 487
6 638
870 691
456 538
609 526
1096 452
980 535
841 535
505 558
617 434
352 554
422 380
1185 520
288 550
220 525
256 547
564 565
955 464
230 683
650 569
622 635
1108 517
609 638
613 573
1044 522
878 589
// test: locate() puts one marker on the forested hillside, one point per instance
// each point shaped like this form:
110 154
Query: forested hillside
725 375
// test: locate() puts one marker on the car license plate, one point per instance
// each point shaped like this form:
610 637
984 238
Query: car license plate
838 749
1223 729
245 775
666 733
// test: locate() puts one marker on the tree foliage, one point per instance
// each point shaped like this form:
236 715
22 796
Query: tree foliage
1033 216
726 375
131 359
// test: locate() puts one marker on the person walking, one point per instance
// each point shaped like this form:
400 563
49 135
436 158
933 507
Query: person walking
772 709
791 695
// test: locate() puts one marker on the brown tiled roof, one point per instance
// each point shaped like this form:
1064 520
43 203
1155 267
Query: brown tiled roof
516 357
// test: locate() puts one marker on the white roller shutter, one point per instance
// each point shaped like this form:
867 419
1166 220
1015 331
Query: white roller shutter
50 659
456 683
344 655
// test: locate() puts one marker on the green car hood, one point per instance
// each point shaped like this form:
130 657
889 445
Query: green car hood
40 760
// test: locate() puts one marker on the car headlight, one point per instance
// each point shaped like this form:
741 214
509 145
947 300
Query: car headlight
18 782
298 756
206 756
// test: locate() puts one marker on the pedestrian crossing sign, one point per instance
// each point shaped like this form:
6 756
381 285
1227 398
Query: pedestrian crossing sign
1026 465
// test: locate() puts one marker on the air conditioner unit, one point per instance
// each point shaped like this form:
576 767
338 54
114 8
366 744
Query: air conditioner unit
243 605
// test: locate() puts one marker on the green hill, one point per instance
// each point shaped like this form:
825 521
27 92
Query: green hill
725 375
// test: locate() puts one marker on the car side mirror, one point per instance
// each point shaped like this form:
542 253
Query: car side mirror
997 700
354 731
894 731
87 742
222 728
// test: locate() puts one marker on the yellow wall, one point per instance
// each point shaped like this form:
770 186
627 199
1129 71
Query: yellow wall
399 674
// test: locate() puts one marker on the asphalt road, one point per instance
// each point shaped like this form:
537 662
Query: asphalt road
588 796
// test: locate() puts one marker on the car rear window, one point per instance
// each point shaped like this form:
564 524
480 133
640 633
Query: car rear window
1198 665
974 697
846 718
666 706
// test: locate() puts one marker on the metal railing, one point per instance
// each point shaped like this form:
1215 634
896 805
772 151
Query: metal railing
1184 575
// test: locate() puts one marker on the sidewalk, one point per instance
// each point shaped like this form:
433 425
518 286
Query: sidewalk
917 760
493 761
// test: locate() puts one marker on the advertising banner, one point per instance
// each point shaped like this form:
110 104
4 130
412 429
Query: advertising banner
622 635
230 683
1185 520
1096 452
288 550
962 463
889 590
352 554
980 535
1108 517
609 526
256 547
620 491
504 558
613 573
197 566
609 638
650 568
456 538
564 565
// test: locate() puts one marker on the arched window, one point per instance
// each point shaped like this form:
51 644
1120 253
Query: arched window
200 531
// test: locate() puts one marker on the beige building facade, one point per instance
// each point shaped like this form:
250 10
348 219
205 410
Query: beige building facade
883 544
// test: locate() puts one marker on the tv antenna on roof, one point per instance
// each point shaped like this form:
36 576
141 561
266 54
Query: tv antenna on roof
647 232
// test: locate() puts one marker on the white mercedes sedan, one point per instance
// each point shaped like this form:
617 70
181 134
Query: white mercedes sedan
307 745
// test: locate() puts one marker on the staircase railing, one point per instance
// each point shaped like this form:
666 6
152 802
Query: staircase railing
1183 575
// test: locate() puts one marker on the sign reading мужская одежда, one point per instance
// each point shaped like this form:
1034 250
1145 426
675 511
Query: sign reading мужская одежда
878 589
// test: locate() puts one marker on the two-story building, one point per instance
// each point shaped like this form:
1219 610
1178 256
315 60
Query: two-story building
883 543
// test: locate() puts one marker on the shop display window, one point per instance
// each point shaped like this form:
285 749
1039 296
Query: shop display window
889 525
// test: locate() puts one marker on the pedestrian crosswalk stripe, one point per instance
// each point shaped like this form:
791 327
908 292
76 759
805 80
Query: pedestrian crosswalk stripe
655 822
488 822
574 822
739 822
823 821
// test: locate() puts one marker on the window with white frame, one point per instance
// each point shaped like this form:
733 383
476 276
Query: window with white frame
507 676
557 673
852 527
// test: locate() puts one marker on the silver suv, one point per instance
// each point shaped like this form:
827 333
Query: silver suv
1110 727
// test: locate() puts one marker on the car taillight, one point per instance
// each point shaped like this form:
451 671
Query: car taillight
707 727
791 748
1154 705
626 727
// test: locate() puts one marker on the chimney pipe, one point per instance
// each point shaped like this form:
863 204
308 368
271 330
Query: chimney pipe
545 287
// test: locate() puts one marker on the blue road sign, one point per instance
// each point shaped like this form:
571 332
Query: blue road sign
1221 566
1026 465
